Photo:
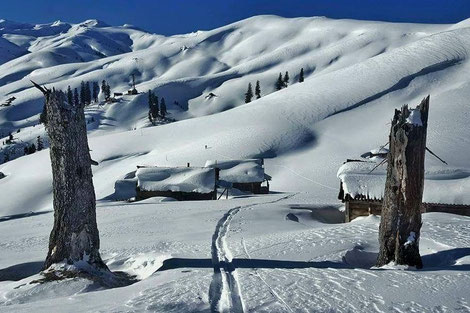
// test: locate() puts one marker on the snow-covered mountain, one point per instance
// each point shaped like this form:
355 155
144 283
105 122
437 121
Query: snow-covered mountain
356 72
290 250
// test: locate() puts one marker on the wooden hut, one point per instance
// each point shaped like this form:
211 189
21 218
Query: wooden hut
181 183
362 183
245 175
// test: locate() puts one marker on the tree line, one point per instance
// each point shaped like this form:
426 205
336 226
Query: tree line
281 82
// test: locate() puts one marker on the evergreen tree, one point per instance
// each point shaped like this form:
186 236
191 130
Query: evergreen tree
155 107
69 95
103 88
301 76
82 93
257 90
32 149
10 136
96 90
150 99
76 101
279 82
107 93
39 143
26 150
106 90
286 79
87 93
163 108
43 116
249 94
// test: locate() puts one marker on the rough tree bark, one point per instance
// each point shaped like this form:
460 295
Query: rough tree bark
401 212
74 236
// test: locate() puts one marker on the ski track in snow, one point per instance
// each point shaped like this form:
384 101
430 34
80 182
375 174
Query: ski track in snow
224 291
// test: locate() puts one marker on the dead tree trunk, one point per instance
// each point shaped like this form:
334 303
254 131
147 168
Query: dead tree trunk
401 213
74 236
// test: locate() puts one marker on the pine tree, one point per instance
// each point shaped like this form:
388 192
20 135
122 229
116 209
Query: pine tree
163 108
279 82
106 90
96 90
103 88
82 93
87 93
69 95
43 116
107 93
39 144
301 76
257 90
76 101
32 149
286 79
150 99
153 106
249 94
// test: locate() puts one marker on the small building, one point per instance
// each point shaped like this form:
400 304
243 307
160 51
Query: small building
362 186
118 94
125 187
181 183
132 92
111 100
245 175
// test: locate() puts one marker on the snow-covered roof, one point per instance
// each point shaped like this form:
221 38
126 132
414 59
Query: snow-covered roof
440 186
177 179
359 180
239 171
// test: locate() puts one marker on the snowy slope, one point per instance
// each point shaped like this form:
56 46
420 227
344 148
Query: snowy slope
313 265
290 251
357 73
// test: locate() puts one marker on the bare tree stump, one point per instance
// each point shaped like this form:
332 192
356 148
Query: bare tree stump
401 213
74 236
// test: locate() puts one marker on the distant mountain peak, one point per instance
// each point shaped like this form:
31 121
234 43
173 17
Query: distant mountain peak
94 23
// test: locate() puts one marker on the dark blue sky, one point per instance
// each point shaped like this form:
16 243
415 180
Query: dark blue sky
182 16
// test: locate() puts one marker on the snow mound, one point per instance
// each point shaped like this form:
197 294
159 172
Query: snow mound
177 179
239 171
361 178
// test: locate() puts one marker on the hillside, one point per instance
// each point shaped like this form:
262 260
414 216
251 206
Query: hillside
287 251
356 74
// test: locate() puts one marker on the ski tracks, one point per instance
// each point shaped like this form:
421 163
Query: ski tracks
224 291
